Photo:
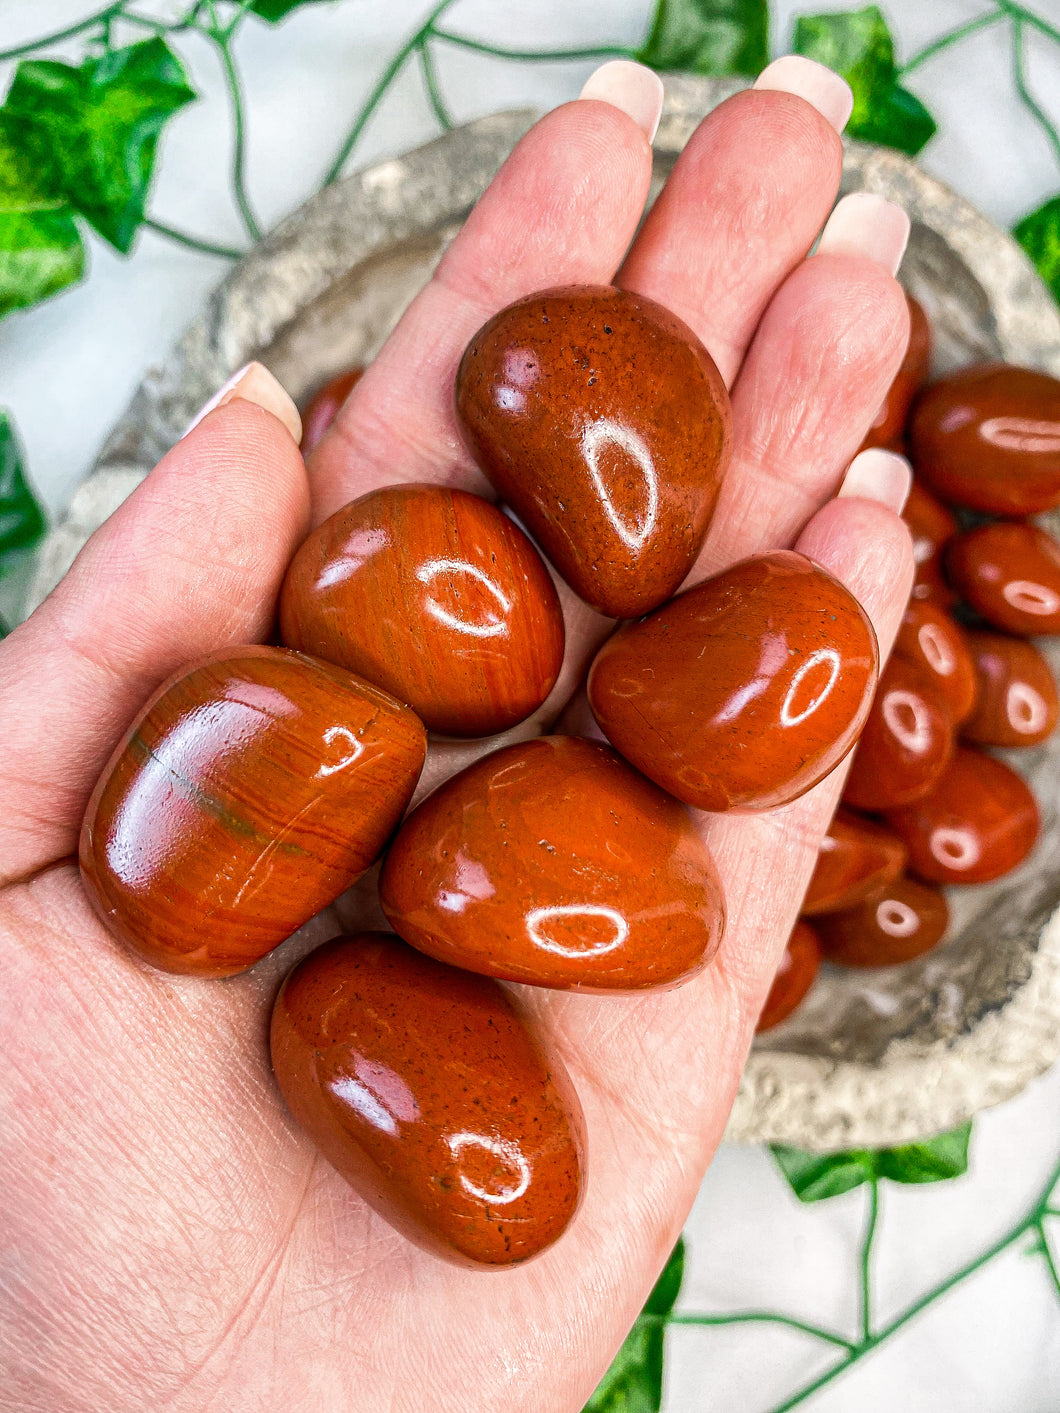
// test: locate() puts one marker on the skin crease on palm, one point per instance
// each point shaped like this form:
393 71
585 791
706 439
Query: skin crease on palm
168 1239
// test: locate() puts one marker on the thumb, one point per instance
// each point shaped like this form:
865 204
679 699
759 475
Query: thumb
190 563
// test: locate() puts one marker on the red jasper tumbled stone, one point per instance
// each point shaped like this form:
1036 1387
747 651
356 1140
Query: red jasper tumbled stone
431 1094
553 862
324 407
856 857
1010 574
601 418
932 527
906 743
251 791
436 596
796 974
930 638
745 691
1017 703
978 822
988 437
900 921
889 423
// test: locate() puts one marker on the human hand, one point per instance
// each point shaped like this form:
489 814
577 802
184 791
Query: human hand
171 1240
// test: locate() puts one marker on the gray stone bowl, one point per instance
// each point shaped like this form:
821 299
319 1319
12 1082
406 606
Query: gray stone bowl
872 1058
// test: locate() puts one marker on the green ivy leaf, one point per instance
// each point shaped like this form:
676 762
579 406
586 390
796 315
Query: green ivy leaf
815 1176
21 518
935 1160
91 132
1039 234
858 45
40 248
633 1384
276 10
708 36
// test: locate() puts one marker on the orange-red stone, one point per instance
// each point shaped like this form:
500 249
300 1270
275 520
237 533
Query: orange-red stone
906 743
601 418
251 791
1010 574
988 437
324 407
553 862
900 921
930 638
745 691
437 597
932 527
856 857
430 1093
1017 703
889 424
795 975
979 822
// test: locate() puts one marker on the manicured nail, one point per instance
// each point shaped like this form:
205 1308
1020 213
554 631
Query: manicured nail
879 475
866 224
637 90
254 383
807 79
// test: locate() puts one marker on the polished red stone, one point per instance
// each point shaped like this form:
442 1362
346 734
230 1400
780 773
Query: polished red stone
906 743
601 418
553 862
745 691
856 857
795 975
324 407
1010 574
431 1094
1017 703
436 596
932 527
900 921
251 791
930 638
988 437
979 822
889 424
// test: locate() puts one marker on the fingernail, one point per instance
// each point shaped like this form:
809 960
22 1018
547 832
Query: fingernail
818 85
254 383
879 475
637 90
866 224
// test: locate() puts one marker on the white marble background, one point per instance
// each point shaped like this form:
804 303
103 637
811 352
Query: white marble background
68 368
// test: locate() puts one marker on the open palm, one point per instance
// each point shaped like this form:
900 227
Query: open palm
168 1239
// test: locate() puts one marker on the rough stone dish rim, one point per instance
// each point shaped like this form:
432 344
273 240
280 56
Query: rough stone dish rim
916 1089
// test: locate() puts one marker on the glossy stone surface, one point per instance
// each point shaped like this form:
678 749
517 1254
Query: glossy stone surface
932 527
1017 703
894 924
600 417
324 406
250 792
856 857
436 596
1010 574
745 691
906 743
930 638
795 975
988 437
552 862
978 823
431 1094
889 425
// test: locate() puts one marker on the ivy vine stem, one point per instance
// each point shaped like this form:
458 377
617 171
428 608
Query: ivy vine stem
952 36
192 242
755 1317
222 38
865 1259
1028 99
497 51
433 88
386 78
